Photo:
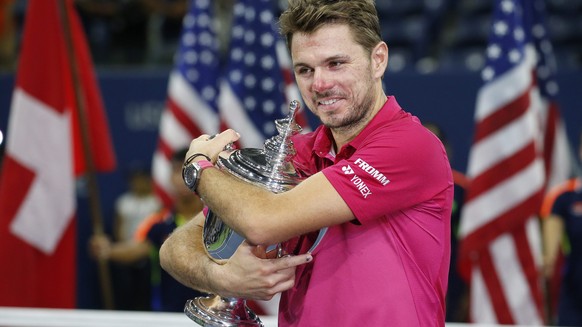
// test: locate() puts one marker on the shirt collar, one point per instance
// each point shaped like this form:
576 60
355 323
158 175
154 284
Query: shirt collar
323 139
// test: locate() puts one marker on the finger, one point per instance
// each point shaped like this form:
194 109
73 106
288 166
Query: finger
228 136
284 285
203 137
249 249
292 261
285 274
283 280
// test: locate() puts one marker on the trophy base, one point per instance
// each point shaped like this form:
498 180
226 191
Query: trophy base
216 311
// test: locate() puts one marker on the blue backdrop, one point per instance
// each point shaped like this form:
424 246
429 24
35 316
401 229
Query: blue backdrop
135 99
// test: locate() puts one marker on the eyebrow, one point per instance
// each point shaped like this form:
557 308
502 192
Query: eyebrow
327 60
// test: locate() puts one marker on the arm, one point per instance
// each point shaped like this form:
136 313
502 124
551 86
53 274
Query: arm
124 252
250 210
247 274
552 231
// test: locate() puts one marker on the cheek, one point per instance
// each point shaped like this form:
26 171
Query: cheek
303 85
305 93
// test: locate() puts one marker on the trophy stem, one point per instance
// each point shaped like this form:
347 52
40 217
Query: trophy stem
217 311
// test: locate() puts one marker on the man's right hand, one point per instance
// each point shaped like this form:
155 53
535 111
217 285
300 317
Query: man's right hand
250 273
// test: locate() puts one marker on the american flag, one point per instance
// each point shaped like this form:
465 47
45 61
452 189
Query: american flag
519 149
255 88
205 95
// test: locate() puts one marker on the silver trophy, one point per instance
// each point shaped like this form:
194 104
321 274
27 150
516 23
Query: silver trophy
270 168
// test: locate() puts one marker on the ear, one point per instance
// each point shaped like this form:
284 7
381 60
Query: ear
379 59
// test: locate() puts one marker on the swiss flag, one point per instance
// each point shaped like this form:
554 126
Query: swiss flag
44 154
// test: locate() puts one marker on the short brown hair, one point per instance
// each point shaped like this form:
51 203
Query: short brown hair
307 16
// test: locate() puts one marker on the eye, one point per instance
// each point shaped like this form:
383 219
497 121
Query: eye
303 70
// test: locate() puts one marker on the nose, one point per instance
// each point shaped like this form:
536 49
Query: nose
321 81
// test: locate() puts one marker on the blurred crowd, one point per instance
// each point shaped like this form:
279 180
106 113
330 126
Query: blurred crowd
119 32
423 35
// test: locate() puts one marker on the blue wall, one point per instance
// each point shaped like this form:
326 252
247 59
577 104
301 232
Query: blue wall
134 100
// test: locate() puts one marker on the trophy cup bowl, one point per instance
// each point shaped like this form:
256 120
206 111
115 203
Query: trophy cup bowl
270 168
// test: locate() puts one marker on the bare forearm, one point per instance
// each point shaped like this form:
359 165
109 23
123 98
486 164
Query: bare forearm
259 215
229 198
247 274
265 218
183 256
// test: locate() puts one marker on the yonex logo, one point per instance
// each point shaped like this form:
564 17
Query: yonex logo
357 181
348 170
361 186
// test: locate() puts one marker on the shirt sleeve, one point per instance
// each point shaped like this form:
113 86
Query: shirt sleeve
392 171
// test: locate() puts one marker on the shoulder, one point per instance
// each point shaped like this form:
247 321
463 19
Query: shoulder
401 125
404 140
150 222
558 191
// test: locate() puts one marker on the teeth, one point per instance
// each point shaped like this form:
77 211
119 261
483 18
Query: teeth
328 102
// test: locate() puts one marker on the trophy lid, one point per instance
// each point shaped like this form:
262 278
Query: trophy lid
271 166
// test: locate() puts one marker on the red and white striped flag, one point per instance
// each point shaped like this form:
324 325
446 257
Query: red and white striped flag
44 153
519 148
247 91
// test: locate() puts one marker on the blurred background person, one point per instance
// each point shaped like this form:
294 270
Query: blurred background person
166 293
562 236
133 206
131 280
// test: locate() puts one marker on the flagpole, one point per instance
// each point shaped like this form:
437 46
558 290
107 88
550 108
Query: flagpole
93 187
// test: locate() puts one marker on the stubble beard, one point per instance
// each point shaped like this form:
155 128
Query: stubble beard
356 116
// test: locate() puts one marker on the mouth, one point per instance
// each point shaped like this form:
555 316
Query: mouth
327 102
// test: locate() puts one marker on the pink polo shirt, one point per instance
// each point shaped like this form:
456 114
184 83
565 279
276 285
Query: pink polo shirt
389 266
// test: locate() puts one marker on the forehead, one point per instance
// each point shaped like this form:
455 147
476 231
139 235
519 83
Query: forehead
329 40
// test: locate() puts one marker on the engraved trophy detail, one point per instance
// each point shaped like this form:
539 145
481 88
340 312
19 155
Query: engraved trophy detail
270 168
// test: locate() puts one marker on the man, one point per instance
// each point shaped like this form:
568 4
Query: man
166 293
378 179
